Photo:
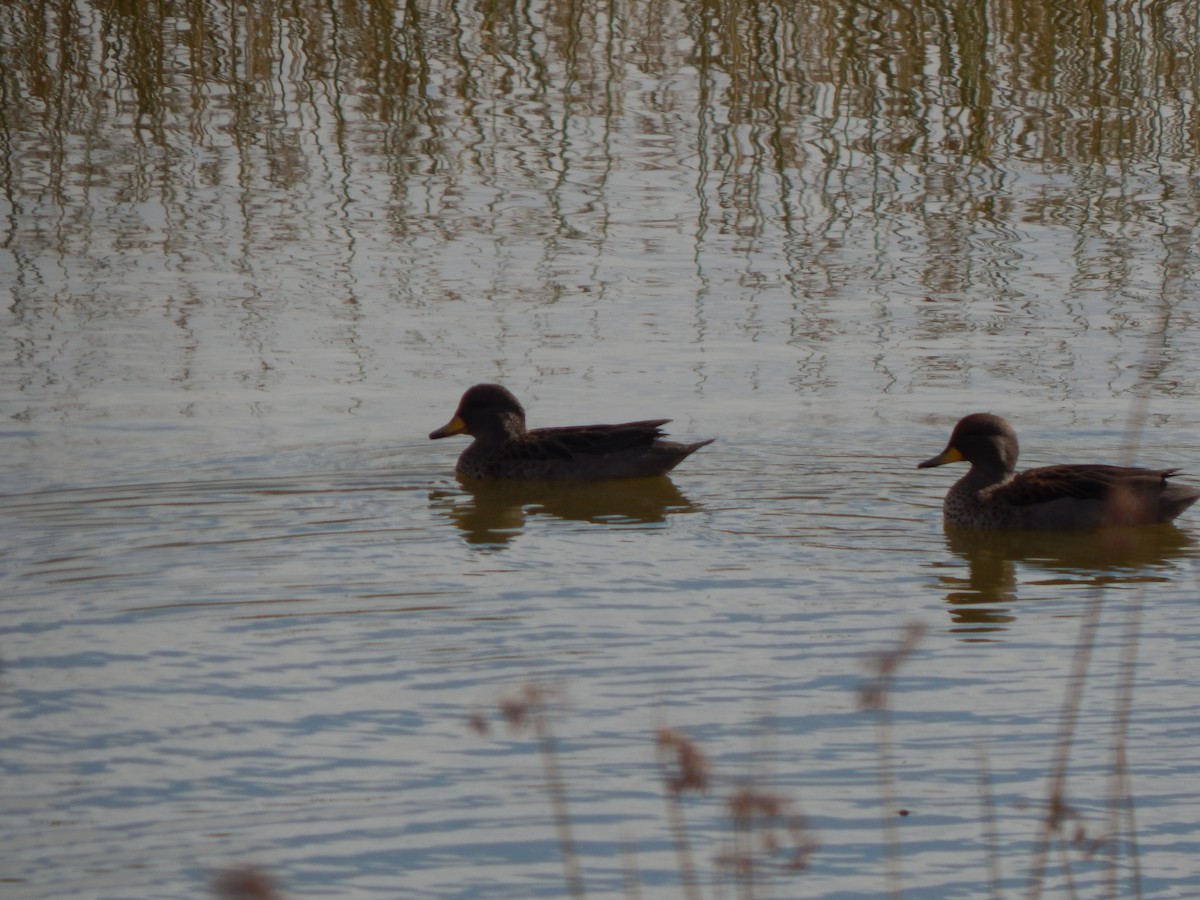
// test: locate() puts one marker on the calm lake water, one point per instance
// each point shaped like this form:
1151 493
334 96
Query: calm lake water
251 255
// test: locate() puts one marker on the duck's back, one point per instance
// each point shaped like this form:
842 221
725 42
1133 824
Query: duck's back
583 453
1073 496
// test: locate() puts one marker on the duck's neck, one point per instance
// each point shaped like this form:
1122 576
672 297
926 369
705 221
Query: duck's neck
506 427
983 475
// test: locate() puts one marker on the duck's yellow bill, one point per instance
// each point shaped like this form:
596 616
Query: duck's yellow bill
454 426
949 455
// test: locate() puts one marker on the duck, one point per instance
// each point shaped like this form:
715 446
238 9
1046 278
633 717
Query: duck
505 449
1074 496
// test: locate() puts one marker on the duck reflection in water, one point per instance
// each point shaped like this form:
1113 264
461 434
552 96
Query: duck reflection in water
1004 567
493 513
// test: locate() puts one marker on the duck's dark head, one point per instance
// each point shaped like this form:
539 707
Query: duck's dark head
981 439
486 411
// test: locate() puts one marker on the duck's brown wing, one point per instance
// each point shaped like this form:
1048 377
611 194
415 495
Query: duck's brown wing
1078 482
577 441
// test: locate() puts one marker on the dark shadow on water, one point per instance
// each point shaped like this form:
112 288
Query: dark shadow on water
495 513
1004 567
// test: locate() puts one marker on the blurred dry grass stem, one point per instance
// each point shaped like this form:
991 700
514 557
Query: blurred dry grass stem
683 768
987 803
1059 813
1122 811
874 695
633 890
528 708
882 668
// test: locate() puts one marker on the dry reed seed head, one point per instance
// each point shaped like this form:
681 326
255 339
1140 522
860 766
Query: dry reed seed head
1058 811
746 804
770 810
527 705
245 884
778 829
515 712
690 766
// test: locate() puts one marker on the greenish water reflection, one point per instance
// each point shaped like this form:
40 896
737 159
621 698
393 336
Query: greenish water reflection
846 176
1062 82
933 102
493 514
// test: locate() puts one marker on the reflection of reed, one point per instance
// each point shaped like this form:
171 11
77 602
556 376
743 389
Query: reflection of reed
783 80
495 513
780 133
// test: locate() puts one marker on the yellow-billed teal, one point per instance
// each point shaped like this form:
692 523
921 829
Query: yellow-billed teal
505 449
993 495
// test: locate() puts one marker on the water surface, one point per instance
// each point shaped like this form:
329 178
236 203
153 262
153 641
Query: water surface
252 257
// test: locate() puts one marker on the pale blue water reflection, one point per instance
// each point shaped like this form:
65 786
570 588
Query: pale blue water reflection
281 670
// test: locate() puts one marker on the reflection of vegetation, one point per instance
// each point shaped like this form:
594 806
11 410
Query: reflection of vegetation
829 148
1058 82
